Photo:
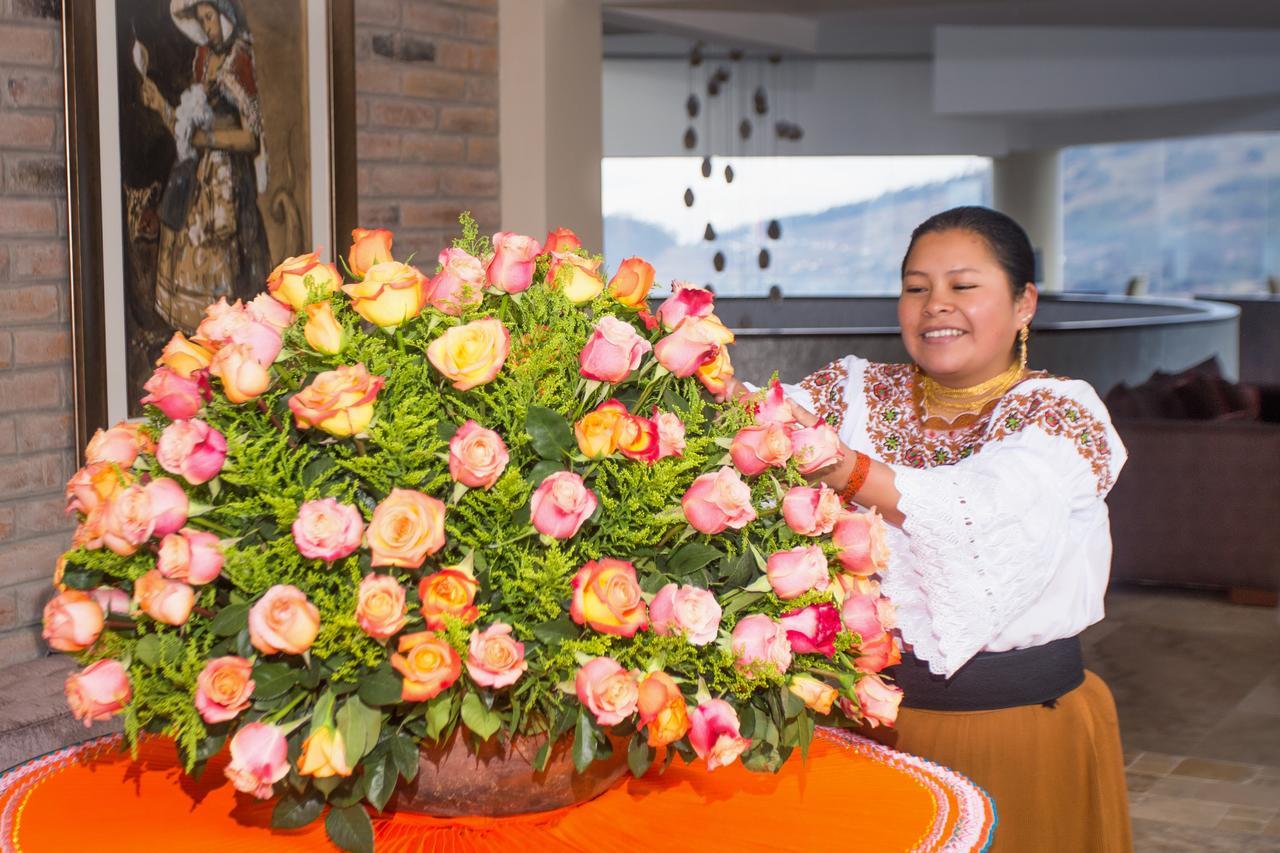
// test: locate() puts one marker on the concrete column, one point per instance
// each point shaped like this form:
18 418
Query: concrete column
550 116
1027 185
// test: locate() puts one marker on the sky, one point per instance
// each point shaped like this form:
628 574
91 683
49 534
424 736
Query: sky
651 189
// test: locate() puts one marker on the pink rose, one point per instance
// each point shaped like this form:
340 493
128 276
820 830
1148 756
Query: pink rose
72 621
607 690
861 538
225 324
169 505
495 659
811 512
98 691
670 433
613 351
715 733
696 342
756 448
861 615
795 571
878 701
283 620
174 395
111 600
773 407
561 505
477 456
190 555
120 445
514 258
259 759
265 308
686 610
128 521
812 629
757 639
380 606
244 378
815 447
223 688
459 284
166 601
327 530
718 500
685 301
192 449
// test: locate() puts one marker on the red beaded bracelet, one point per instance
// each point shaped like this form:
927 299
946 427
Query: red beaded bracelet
857 477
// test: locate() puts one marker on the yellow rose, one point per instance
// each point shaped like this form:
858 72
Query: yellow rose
407 527
597 432
632 282
243 377
369 246
184 357
816 695
340 402
471 354
389 294
715 374
577 276
322 329
289 282
324 754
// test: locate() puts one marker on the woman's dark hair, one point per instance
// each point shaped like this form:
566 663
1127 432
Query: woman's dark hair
1006 239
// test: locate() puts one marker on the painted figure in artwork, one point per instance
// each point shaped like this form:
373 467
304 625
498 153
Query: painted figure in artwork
212 242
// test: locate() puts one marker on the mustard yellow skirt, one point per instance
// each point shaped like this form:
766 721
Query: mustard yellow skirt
1056 774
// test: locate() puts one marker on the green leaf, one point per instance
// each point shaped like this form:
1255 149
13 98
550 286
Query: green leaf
295 810
359 725
317 468
552 436
350 829
556 631
481 720
584 741
381 782
692 557
147 650
639 754
439 713
739 571
382 687
230 620
273 679
78 577
543 470
404 752
322 713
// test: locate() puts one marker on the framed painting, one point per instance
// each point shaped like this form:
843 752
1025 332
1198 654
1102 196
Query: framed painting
206 141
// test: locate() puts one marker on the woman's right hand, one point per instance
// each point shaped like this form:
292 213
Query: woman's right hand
152 98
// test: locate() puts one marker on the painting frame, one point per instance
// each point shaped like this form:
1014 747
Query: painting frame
97 326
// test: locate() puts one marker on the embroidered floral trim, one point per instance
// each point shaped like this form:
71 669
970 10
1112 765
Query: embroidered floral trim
1061 416
826 387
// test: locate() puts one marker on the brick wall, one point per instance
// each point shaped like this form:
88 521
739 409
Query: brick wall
427 113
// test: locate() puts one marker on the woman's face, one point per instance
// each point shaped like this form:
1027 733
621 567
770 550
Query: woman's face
210 22
958 315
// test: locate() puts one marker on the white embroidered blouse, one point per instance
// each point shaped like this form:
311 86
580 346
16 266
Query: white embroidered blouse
1006 542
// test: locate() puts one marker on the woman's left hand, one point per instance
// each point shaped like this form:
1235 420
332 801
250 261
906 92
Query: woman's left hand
201 138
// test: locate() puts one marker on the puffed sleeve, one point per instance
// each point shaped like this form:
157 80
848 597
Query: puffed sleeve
982 538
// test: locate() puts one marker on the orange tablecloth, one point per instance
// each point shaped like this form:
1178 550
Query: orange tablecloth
850 794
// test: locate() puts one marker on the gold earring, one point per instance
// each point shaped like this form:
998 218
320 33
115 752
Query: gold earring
1022 341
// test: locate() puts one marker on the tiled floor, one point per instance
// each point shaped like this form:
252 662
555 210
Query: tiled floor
1197 685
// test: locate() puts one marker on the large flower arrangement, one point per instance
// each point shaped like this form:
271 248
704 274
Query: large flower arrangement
362 515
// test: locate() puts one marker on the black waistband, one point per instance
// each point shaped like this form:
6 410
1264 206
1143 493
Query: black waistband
993 680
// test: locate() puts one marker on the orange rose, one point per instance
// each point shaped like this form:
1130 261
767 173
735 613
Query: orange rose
471 354
164 600
816 695
715 374
429 666
597 432
389 294
632 282
243 377
322 330
93 486
340 402
121 444
324 754
578 277
606 596
283 620
449 592
184 357
380 607
369 246
406 527
662 709
295 278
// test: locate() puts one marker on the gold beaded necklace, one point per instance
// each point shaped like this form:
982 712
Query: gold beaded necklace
947 404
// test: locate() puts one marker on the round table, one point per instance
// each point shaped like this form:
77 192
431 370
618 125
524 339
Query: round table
850 793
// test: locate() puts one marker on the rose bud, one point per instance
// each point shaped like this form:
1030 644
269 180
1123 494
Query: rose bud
812 629
324 754
878 701
99 691
796 571
259 759
811 512
861 538
686 301
184 357
637 438
429 666
561 505
327 530
477 456
224 688
816 695
193 450
670 433
166 601
111 600
174 395
294 280
128 521
662 709
715 733
471 354
369 246
339 402
225 324
449 592
407 527
322 330
244 378
119 445
716 373
756 448
774 407
72 621
95 485
606 597
190 555
561 240
815 447
459 284
494 658
169 505
632 282
283 620
613 351
577 277
695 343
607 690
717 501
380 606
389 294
686 610
514 259
265 308
758 640
597 432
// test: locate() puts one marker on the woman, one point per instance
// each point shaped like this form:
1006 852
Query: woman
992 478
212 241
